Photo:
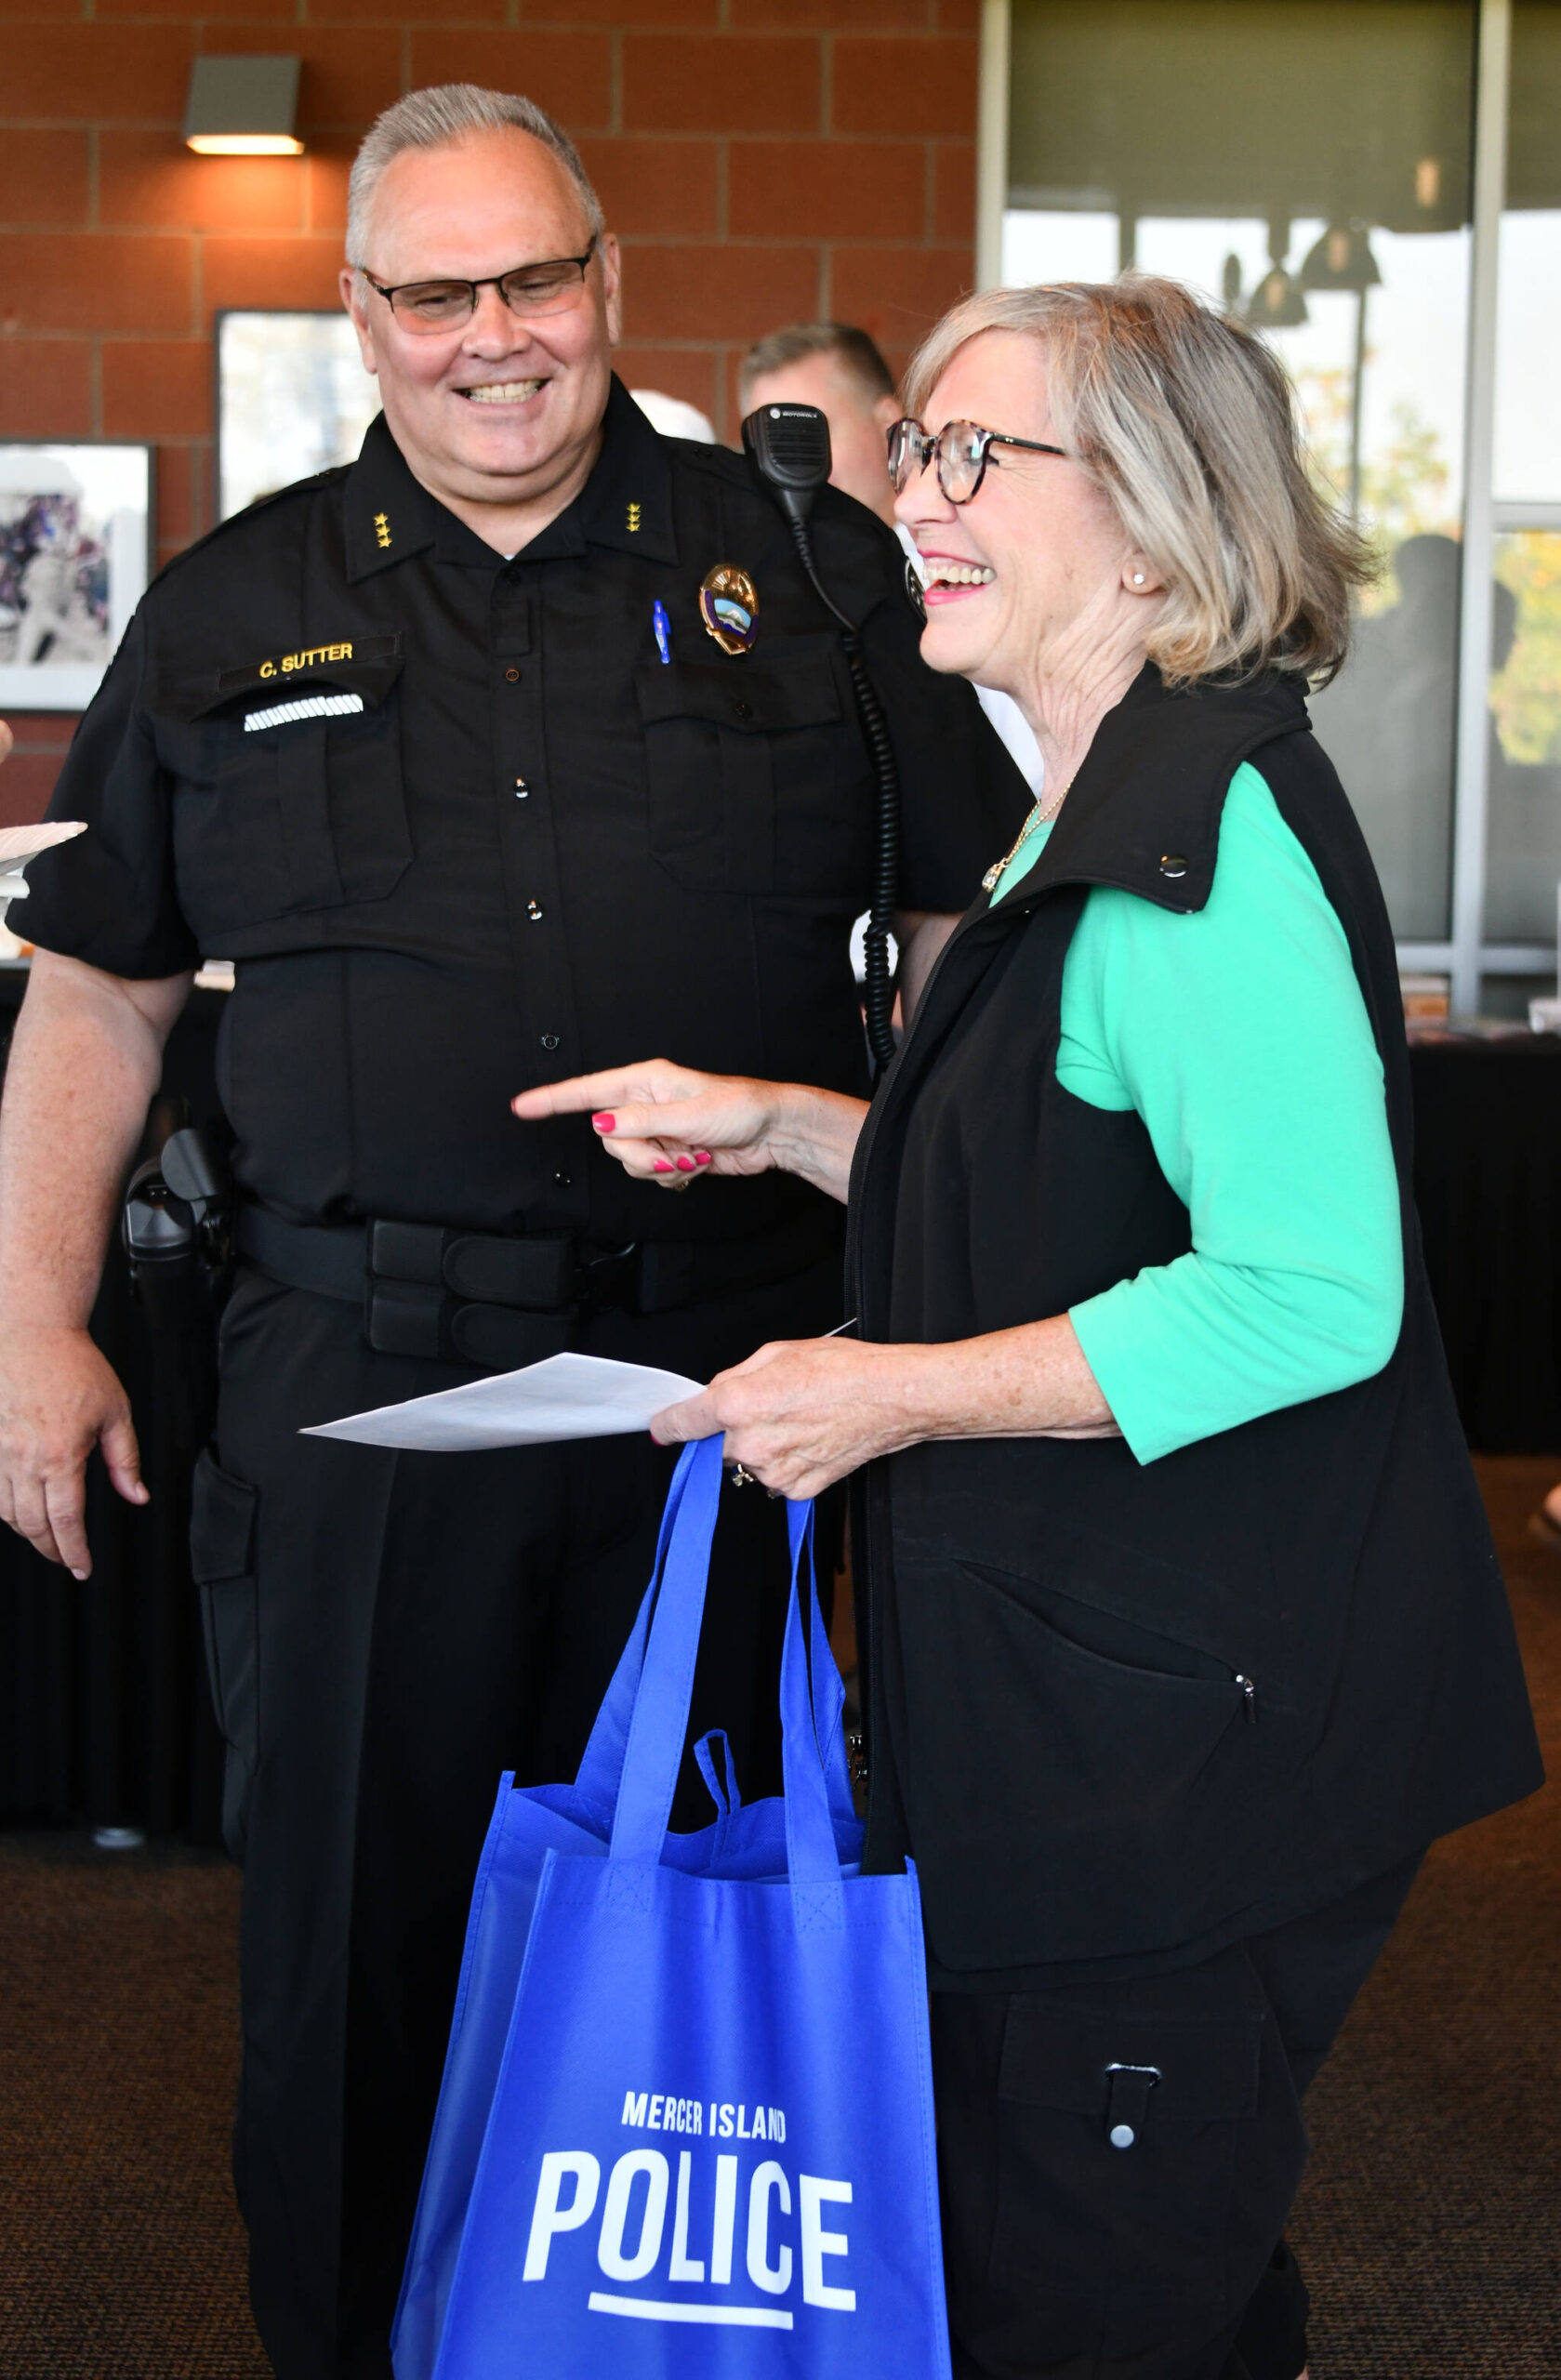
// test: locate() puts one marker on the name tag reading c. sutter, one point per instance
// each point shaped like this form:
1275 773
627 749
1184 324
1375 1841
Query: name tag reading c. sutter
342 660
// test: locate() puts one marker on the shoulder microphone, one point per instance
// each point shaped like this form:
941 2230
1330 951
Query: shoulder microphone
789 446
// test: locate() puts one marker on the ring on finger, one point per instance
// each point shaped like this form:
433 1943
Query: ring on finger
742 1477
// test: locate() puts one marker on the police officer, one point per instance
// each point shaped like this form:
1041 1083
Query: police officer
517 748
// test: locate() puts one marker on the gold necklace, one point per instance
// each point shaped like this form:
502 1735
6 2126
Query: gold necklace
1037 817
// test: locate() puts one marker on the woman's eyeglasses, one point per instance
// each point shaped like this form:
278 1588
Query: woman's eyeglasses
960 450
529 290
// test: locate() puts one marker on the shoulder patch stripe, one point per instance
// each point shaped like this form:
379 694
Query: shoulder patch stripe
306 706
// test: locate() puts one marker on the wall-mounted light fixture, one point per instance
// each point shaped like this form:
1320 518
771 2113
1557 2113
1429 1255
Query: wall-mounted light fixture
242 107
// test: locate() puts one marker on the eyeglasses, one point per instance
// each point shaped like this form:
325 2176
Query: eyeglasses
961 449
529 290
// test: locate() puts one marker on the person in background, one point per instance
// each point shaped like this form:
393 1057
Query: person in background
838 367
460 752
1184 1633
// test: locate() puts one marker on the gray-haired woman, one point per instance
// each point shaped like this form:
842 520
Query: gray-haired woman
1184 1634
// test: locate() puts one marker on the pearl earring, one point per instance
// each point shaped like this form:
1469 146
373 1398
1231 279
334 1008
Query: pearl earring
1138 578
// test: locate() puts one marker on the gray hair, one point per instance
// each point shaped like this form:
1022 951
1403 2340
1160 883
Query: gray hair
443 115
1188 422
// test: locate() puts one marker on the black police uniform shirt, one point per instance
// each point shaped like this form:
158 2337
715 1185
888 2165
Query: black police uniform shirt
464 830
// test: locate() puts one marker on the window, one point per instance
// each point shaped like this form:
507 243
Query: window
1377 184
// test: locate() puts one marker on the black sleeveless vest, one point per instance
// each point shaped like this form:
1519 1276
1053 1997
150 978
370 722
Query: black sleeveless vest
1121 1713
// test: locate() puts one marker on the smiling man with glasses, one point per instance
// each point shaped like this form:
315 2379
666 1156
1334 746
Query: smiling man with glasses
517 747
495 381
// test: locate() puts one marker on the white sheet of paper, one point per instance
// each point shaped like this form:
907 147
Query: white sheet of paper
566 1396
19 844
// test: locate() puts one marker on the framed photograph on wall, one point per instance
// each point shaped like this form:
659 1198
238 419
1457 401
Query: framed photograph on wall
292 398
76 555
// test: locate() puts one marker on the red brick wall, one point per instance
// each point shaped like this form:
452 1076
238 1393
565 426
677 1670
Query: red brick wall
761 159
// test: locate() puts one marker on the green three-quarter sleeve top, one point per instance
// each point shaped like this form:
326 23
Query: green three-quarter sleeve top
1240 1035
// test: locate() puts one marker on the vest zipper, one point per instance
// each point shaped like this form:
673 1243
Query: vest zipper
1249 1700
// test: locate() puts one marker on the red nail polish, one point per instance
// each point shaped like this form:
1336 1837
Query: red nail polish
604 1123
661 1165
702 1156
685 1165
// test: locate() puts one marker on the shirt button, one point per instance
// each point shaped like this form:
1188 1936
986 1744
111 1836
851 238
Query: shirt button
743 710
1173 863
534 910
521 788
512 674
549 1041
564 1181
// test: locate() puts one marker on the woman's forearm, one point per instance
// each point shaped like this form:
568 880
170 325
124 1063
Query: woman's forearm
814 1133
1027 1382
802 1413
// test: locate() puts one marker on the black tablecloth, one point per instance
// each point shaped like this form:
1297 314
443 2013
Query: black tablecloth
1488 1184
104 1713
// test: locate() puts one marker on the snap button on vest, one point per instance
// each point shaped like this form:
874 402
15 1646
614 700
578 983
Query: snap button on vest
1173 863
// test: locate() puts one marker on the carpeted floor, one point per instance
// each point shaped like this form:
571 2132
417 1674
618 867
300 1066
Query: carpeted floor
120 2253
1430 2224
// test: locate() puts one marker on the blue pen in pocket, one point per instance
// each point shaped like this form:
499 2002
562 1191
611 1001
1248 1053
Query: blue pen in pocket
663 627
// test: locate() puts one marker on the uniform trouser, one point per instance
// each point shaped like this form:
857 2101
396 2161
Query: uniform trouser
1068 2258
388 1633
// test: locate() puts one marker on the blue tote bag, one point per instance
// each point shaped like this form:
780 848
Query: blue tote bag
711 2147
576 1820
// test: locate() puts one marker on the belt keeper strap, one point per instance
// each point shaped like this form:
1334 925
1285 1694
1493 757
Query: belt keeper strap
410 1318
406 1318
536 1274
408 1253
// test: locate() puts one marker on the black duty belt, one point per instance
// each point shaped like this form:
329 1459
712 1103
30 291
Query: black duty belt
476 1298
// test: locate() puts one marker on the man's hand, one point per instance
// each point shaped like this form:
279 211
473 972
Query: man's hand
59 1399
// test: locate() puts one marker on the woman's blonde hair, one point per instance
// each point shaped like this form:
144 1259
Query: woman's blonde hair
1188 422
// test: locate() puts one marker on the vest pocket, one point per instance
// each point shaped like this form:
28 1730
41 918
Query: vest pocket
222 1523
1064 1794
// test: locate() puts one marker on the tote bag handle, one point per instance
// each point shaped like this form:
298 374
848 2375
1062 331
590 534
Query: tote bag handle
602 1763
655 1737
829 1692
654 1750
812 1862
601 1769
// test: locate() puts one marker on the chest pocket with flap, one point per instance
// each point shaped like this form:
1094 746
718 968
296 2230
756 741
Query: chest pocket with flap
755 775
276 816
